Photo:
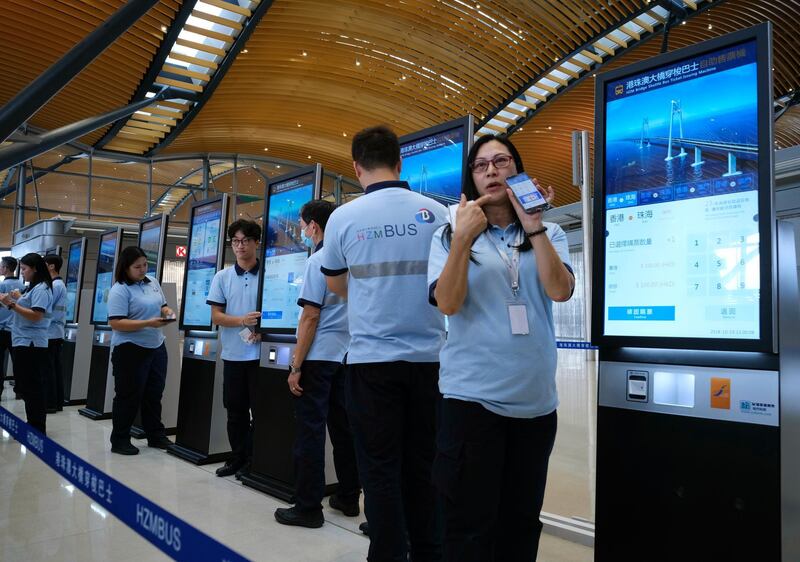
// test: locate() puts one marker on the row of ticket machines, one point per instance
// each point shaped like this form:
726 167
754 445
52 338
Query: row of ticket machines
192 405
695 310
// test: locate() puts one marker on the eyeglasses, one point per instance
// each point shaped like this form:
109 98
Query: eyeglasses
235 242
499 161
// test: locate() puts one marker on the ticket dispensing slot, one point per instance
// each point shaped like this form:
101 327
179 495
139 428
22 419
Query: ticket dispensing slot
637 386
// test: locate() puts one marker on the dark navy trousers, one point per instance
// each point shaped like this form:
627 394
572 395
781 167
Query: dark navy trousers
323 404
140 374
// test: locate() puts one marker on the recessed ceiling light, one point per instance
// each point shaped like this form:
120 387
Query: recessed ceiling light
710 26
358 62
345 134
305 54
244 51
299 125
163 29
266 149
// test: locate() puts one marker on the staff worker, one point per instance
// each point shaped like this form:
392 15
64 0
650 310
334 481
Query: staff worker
496 274
55 335
32 309
10 283
233 297
317 382
382 241
137 311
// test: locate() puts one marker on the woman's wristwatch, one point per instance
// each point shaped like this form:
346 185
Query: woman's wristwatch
536 232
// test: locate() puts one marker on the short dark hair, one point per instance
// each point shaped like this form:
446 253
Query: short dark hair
36 262
126 259
55 260
376 147
317 211
10 263
250 229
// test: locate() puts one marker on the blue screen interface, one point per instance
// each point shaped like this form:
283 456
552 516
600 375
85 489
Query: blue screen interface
105 277
150 242
73 282
285 254
434 166
681 199
202 263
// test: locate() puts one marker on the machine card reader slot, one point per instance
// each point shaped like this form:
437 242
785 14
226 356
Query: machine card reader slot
637 386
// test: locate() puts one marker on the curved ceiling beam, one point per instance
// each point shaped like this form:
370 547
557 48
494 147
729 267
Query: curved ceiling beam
208 91
639 27
148 81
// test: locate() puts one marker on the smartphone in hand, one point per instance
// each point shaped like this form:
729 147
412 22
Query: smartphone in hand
526 193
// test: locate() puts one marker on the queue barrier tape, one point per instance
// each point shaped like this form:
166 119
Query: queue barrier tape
575 345
176 538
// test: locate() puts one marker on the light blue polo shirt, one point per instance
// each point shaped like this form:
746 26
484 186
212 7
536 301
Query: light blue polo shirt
332 337
383 239
141 300
236 290
6 286
24 332
510 375
58 319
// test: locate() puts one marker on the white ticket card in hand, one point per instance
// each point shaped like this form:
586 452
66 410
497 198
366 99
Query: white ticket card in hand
247 335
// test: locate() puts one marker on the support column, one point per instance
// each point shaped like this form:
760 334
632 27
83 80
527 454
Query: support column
19 205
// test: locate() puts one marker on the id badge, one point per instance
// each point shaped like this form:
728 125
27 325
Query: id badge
518 318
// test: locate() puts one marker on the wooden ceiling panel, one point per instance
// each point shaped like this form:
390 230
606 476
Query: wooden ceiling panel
337 67
545 142
37 33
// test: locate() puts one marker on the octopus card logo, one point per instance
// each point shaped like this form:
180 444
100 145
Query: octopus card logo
619 89
721 393
424 216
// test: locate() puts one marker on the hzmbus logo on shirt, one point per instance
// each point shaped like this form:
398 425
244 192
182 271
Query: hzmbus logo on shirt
424 216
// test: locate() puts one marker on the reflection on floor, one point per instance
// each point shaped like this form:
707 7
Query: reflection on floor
42 517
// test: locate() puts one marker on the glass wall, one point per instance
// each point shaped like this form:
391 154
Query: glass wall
72 182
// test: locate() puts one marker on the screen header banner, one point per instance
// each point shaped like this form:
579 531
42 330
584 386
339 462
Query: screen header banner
681 71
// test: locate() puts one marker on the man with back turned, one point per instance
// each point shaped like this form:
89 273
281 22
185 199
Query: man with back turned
376 252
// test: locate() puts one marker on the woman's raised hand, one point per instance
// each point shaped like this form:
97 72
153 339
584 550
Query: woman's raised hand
470 218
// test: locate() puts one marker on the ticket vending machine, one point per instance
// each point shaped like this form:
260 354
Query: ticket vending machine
201 435
283 262
153 239
75 380
695 312
100 393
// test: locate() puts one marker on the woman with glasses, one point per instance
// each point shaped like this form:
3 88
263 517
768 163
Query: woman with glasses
137 310
495 271
32 309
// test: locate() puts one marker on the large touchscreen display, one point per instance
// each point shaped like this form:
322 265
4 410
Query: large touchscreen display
434 165
681 199
202 263
150 242
73 282
105 276
285 253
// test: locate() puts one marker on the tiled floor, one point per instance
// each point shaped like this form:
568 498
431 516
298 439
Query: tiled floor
43 518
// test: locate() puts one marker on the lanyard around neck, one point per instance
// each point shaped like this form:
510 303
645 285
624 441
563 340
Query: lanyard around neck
512 265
